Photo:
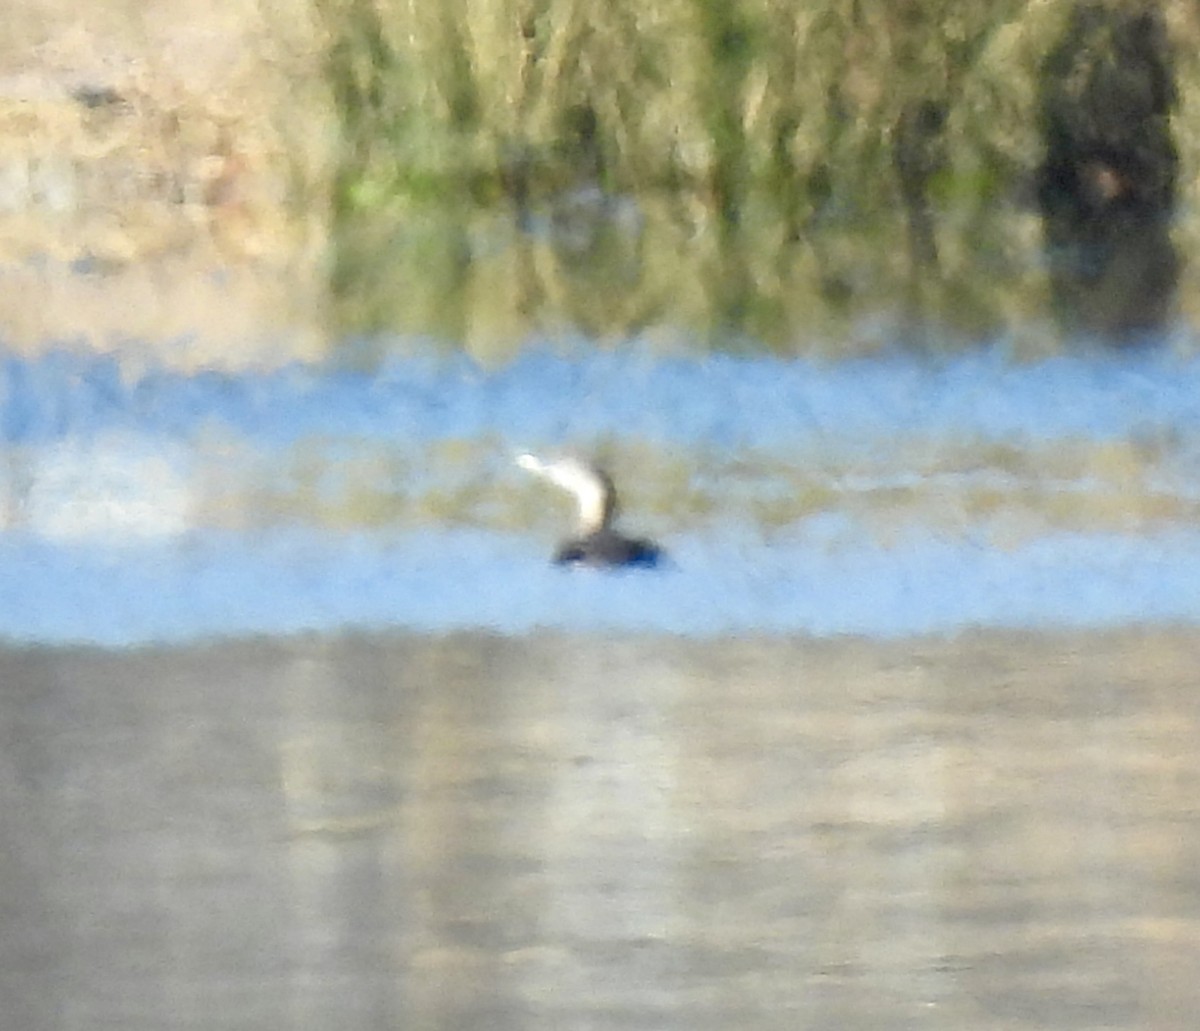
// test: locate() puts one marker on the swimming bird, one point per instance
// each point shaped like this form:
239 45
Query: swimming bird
595 542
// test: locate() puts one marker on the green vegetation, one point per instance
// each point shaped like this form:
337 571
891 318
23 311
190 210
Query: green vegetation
762 170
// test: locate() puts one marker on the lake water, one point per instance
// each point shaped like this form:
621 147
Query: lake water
886 496
299 727
995 831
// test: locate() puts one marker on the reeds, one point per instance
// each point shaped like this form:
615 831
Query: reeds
749 164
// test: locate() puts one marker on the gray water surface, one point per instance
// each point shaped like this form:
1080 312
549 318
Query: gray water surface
996 831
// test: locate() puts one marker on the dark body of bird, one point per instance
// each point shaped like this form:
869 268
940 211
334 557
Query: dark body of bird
607 548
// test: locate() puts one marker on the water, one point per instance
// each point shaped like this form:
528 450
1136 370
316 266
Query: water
300 728
478 831
888 496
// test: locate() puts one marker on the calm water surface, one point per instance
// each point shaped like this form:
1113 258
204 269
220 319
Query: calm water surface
893 496
995 831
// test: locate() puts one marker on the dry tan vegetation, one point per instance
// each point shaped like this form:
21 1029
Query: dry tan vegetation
152 183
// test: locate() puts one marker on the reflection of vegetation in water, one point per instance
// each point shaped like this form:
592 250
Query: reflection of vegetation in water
997 494
759 167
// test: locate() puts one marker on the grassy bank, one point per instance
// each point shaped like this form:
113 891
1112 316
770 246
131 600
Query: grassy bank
759 171
797 168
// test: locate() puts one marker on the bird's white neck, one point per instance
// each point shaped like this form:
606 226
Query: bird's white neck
592 490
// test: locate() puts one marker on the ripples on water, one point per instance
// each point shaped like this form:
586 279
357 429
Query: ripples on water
472 831
881 496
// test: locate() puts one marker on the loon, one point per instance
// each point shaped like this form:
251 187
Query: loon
595 543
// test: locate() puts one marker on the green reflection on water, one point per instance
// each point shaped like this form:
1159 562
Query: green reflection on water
749 174
492 277
999 494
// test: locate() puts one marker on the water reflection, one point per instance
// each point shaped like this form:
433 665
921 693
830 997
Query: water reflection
987 832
